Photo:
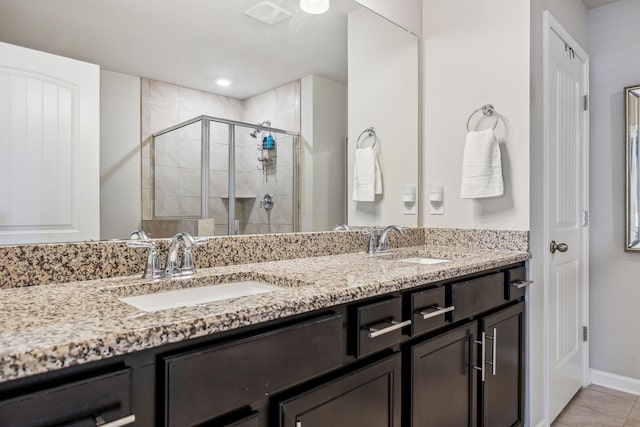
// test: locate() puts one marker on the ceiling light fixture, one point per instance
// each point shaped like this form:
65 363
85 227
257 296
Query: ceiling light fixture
314 7
223 82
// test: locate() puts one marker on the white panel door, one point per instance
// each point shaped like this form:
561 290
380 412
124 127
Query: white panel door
567 200
49 147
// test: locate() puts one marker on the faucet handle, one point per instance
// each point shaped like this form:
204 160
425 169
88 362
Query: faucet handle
188 266
138 234
152 269
373 236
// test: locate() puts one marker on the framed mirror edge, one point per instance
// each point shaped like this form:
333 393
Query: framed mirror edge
631 167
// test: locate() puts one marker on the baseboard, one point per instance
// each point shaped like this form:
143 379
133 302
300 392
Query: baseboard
542 423
615 382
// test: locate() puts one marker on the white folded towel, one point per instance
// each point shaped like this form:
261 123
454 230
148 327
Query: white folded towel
367 179
481 166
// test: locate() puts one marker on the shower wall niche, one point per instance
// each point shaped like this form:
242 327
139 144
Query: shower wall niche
187 176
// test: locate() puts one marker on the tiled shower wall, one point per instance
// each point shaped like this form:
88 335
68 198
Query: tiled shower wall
164 105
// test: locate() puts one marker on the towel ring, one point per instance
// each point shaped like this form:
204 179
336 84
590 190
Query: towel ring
370 132
487 110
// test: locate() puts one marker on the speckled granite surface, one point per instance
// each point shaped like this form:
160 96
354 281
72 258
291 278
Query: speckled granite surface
28 265
44 328
507 240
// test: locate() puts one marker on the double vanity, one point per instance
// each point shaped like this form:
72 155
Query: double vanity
429 335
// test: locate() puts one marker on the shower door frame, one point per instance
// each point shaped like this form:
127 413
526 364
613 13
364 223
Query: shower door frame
205 129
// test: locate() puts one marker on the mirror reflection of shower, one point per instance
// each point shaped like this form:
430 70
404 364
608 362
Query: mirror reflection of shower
214 185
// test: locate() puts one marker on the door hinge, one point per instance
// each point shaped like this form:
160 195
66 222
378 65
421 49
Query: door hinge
585 333
586 103
585 218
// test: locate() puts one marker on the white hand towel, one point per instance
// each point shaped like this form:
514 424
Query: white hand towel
367 179
481 166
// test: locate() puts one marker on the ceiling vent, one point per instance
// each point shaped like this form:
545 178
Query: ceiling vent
268 13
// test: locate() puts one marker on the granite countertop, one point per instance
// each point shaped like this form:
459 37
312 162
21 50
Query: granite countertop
43 328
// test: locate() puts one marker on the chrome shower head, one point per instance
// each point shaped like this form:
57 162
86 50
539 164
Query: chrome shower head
255 132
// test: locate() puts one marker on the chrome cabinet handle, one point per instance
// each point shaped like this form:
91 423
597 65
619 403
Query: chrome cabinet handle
519 284
129 419
494 347
560 247
375 332
438 311
298 423
482 346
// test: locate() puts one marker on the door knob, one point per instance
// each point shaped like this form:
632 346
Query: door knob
560 247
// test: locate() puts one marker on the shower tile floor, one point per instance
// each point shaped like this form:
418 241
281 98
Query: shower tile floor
599 406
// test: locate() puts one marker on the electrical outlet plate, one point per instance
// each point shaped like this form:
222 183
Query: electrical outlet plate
436 208
410 209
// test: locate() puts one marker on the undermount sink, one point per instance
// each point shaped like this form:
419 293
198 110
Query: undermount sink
418 257
198 295
423 260
183 292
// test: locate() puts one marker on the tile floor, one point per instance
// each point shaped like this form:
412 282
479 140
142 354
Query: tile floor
600 406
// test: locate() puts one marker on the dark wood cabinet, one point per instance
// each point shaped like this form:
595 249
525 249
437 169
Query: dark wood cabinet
368 397
502 393
441 354
250 421
208 382
443 379
97 399
448 385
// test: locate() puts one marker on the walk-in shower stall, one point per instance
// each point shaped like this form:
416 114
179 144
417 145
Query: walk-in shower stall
228 176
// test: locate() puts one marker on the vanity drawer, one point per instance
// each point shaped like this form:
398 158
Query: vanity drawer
378 326
104 397
206 383
428 310
515 285
477 295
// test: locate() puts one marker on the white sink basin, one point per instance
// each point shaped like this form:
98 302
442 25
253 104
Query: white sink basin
198 295
422 260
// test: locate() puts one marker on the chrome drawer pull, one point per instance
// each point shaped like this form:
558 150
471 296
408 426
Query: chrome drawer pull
519 284
482 346
129 419
374 332
438 311
494 362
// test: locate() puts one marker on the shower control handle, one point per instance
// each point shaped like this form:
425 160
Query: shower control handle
267 201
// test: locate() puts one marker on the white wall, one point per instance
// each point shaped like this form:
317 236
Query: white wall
377 50
323 131
614 284
572 14
406 13
476 53
120 179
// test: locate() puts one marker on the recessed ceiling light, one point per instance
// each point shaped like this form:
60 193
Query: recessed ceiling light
314 7
223 82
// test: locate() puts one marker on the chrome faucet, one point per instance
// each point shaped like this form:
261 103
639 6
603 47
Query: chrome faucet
141 240
383 241
153 269
339 227
187 268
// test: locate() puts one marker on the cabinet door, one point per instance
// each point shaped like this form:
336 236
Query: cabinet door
368 397
502 395
443 380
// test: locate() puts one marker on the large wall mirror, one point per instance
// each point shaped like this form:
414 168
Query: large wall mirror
321 79
632 167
